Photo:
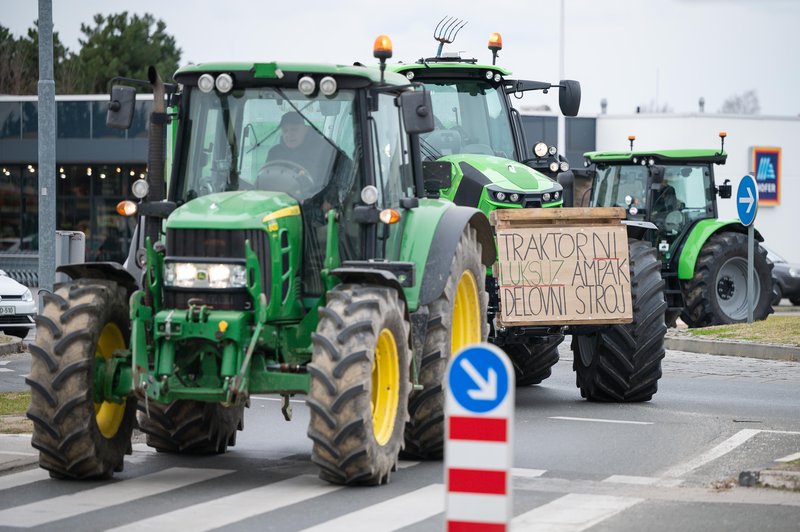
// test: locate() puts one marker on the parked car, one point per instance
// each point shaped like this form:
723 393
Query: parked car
17 307
785 279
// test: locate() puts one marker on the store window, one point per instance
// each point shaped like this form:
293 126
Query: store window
10 120
30 120
74 119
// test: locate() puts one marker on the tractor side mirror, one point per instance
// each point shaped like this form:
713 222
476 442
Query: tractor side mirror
417 111
569 97
436 175
725 190
121 106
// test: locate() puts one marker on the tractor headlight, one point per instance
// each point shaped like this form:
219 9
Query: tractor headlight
514 197
327 85
552 150
546 196
201 275
205 83
500 196
140 188
540 149
564 166
554 166
556 195
224 83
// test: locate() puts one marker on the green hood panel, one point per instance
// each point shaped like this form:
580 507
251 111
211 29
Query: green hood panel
244 209
505 173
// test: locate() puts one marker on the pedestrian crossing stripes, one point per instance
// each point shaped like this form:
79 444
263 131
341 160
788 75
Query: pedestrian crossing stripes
237 507
65 506
229 505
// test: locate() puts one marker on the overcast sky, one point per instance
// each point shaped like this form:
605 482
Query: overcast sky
631 52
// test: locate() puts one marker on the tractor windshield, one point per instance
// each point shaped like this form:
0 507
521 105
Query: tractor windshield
471 117
685 194
269 139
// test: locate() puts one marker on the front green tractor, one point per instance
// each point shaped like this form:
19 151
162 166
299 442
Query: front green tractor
478 153
323 271
704 259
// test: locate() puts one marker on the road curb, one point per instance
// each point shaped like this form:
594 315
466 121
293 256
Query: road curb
15 346
737 349
771 478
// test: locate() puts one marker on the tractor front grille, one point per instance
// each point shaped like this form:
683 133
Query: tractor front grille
204 245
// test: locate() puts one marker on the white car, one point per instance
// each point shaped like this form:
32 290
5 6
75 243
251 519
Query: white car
17 307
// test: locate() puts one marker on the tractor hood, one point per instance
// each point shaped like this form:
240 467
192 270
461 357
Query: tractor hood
244 209
505 173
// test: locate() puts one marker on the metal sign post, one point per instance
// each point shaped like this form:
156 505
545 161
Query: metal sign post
747 208
479 422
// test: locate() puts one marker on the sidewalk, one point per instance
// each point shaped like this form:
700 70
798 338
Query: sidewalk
16 451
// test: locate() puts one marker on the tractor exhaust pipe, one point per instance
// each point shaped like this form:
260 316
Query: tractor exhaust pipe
157 137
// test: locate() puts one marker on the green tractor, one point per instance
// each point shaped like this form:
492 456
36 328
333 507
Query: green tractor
332 275
479 150
704 259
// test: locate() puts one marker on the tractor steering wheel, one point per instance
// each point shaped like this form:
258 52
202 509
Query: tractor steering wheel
275 175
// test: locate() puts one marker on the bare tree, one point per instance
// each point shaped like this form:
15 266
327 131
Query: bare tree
742 104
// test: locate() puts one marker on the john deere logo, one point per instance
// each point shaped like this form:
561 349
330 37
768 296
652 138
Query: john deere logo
201 275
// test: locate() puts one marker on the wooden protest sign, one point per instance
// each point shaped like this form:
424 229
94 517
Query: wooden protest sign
562 266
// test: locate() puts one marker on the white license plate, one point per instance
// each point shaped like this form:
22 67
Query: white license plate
7 311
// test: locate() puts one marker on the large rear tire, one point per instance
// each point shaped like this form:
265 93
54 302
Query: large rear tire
533 363
191 427
359 384
457 318
77 438
622 363
717 294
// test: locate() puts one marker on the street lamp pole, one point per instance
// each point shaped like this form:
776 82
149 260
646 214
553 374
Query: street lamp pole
47 148
562 130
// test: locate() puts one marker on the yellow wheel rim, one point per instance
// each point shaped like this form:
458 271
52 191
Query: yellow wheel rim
466 314
385 387
109 415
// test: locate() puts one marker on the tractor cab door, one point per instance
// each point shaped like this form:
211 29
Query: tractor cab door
391 170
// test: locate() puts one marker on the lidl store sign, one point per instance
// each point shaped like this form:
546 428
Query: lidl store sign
767 170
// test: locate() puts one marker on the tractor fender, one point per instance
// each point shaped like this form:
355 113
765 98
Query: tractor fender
443 247
699 234
111 271
375 276
638 229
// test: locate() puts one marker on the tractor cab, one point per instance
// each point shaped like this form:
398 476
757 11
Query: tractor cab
673 189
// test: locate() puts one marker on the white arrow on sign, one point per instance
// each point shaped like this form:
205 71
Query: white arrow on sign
749 200
487 389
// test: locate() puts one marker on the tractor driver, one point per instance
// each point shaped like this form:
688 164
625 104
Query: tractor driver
304 147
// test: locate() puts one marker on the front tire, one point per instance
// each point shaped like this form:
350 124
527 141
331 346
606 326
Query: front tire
717 294
359 384
622 363
76 437
533 363
190 427
457 318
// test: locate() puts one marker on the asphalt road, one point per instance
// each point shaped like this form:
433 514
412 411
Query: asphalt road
669 464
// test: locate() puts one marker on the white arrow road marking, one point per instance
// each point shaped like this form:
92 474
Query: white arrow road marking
487 389
749 200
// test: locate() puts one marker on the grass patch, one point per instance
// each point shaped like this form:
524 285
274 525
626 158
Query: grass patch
774 330
14 403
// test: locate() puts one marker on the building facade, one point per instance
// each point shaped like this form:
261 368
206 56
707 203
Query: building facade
95 166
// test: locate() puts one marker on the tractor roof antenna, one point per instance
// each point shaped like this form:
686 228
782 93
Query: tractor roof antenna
446 31
631 138
722 136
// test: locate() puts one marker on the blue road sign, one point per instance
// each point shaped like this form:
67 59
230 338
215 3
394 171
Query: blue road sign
747 200
479 378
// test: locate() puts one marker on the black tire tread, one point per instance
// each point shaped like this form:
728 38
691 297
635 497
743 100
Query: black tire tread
62 409
627 358
699 310
190 427
425 431
340 426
